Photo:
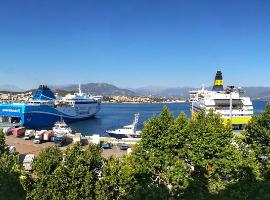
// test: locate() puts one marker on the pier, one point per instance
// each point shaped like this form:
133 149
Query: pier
24 147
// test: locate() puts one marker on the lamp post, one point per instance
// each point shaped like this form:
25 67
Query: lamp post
230 89
192 109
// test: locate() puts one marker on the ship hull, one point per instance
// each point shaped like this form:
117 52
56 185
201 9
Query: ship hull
236 120
121 136
34 116
45 120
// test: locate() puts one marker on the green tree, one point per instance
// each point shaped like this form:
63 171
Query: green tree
257 138
2 142
71 175
47 161
117 180
210 146
156 129
190 157
158 160
10 172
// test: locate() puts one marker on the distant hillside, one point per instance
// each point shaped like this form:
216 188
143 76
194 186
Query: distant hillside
175 92
106 89
258 92
103 89
253 92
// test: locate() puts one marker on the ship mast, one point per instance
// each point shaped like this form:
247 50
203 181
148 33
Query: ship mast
80 91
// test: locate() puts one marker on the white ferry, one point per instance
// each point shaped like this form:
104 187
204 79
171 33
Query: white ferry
230 103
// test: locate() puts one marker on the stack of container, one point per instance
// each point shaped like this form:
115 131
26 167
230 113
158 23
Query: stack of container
18 132
47 135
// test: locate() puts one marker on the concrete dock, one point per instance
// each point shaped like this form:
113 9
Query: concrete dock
27 146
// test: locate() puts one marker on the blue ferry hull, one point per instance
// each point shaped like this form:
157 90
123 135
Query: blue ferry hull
44 120
36 116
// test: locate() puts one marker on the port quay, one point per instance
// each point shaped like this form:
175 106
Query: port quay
23 121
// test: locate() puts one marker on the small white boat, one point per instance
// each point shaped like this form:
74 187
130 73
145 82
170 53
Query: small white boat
129 131
60 127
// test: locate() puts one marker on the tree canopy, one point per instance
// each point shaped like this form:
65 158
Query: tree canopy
71 175
10 173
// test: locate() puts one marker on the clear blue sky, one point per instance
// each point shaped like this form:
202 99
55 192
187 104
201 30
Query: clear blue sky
134 43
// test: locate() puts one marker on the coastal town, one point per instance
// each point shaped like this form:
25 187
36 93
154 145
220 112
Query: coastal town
24 96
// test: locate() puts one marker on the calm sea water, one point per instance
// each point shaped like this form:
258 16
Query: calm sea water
113 116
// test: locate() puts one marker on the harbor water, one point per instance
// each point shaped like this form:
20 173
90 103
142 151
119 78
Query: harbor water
117 115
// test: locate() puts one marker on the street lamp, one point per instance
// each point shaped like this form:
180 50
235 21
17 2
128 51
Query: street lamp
230 90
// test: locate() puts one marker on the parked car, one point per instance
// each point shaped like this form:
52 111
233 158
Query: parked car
60 141
123 146
105 145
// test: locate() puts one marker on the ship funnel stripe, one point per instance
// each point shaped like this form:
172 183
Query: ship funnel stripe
218 83
43 93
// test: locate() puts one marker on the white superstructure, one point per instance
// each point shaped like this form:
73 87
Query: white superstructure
128 131
60 127
229 103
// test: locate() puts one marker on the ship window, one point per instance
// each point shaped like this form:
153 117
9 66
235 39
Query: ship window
225 103
15 120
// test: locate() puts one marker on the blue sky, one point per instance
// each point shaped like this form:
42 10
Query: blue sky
134 43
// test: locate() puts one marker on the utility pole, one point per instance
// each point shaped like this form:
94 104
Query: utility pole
231 105
192 109
231 90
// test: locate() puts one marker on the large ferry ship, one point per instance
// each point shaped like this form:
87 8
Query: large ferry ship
44 109
230 103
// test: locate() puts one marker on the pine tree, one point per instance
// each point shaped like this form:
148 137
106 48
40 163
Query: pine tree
2 142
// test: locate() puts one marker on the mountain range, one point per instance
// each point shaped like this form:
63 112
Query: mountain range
106 89
178 92
103 89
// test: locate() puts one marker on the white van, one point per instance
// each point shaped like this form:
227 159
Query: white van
28 162
29 134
